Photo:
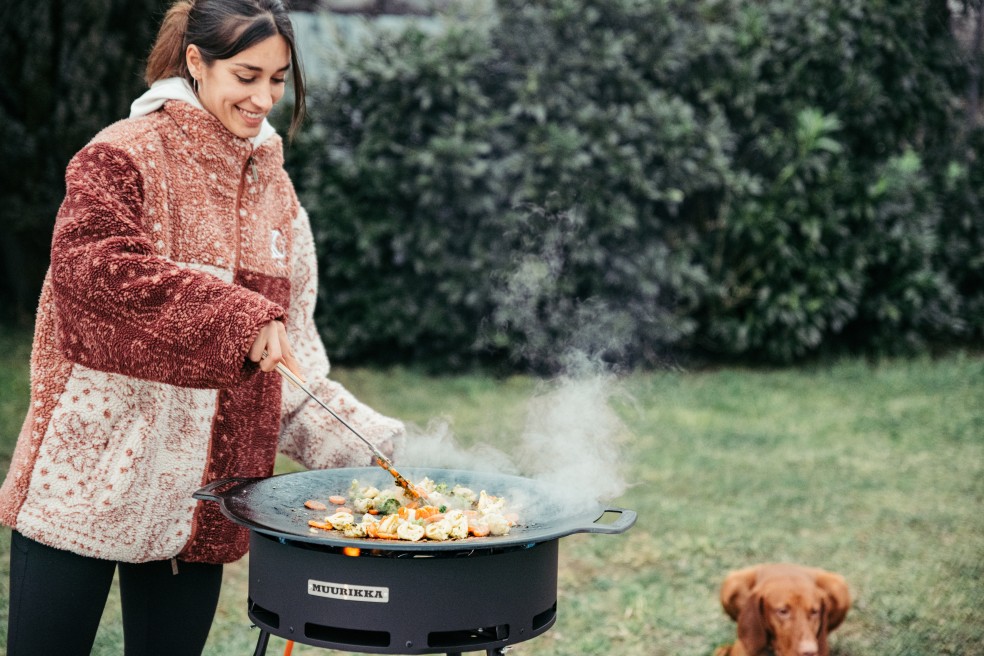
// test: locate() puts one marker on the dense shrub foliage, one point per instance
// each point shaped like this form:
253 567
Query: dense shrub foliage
69 69
767 180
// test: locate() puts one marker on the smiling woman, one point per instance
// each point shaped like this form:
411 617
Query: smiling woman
177 251
213 44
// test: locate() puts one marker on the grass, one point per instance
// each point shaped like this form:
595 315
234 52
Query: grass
872 470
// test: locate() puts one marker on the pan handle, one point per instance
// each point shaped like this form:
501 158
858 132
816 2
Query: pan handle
626 518
208 493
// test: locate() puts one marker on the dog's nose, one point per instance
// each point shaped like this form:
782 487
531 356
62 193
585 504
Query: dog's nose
808 648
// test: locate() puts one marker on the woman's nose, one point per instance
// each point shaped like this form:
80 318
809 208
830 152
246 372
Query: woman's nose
263 99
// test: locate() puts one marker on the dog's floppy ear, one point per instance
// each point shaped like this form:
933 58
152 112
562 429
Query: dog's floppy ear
838 599
751 626
822 649
736 589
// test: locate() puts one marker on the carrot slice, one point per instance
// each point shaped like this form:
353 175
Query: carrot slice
426 511
315 505
337 499
478 530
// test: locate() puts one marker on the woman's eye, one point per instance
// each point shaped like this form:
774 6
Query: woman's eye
279 80
244 80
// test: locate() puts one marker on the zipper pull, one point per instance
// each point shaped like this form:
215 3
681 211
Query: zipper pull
252 166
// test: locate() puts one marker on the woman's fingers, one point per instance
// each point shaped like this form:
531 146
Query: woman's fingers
288 354
272 347
260 350
267 350
291 363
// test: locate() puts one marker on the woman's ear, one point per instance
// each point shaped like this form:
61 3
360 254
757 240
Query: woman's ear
193 59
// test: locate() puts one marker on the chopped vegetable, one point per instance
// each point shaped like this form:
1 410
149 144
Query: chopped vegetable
446 513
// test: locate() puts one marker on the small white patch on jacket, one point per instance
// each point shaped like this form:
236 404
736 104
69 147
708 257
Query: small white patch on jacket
278 244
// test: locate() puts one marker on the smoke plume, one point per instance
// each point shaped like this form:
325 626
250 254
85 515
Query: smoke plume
572 437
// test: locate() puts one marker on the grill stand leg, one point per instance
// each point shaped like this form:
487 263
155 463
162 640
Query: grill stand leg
261 644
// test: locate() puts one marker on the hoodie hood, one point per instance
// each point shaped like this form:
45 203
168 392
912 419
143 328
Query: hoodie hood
177 88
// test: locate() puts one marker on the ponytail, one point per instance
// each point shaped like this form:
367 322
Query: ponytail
167 58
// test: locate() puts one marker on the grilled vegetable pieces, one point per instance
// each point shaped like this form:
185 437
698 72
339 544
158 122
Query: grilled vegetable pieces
447 513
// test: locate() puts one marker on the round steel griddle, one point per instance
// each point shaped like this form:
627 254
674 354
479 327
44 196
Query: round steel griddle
275 506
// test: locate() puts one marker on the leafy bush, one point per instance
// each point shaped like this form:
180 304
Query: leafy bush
396 177
837 107
70 70
788 273
765 180
961 232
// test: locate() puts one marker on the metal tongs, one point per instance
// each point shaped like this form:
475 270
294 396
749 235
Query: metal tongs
381 458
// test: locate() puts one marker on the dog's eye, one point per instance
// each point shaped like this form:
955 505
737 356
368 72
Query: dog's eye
783 612
814 612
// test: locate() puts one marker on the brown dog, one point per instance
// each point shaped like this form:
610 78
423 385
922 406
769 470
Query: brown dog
785 610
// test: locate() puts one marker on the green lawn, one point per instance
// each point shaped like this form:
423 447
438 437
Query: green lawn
874 471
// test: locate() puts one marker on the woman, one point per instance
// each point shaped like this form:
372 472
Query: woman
182 273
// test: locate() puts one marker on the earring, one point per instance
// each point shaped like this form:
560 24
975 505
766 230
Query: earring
195 84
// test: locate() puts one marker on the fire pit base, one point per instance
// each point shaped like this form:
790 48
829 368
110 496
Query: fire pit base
391 602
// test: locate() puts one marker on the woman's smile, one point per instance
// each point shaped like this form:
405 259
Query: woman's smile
252 117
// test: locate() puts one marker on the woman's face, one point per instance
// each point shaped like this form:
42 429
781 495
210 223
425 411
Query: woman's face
241 91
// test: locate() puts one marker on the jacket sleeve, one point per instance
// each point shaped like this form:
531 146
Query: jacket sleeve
123 309
309 434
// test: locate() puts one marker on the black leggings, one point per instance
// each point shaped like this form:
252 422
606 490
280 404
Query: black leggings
57 600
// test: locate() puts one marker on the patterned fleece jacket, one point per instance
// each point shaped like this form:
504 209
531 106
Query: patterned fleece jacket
176 242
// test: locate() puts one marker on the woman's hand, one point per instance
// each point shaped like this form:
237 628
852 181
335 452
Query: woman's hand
271 348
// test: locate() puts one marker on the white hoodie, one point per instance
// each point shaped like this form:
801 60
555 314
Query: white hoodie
177 88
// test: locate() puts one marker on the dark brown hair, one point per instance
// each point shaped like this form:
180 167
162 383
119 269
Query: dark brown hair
222 29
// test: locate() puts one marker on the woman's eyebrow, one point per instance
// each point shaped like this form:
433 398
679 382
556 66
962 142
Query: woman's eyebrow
259 69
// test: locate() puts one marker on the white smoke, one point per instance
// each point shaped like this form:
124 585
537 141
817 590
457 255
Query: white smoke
571 443
572 437
436 446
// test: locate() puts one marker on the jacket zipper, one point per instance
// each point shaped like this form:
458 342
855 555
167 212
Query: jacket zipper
249 169
250 166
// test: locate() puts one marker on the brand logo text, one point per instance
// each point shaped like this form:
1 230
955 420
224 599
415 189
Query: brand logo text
348 592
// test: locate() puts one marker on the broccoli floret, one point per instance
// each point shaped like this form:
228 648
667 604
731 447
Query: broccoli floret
389 507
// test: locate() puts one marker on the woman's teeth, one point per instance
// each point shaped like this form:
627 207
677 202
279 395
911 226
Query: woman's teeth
250 115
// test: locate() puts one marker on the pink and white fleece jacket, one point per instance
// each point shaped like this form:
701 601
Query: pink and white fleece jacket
175 243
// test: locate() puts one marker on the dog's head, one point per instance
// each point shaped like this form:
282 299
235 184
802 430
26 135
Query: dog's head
787 609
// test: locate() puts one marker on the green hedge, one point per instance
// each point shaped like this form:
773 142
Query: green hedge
69 69
639 178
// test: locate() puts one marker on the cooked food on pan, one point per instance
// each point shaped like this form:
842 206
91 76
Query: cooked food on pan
443 513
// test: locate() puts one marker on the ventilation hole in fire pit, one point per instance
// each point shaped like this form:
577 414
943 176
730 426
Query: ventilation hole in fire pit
263 616
544 618
353 637
468 636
